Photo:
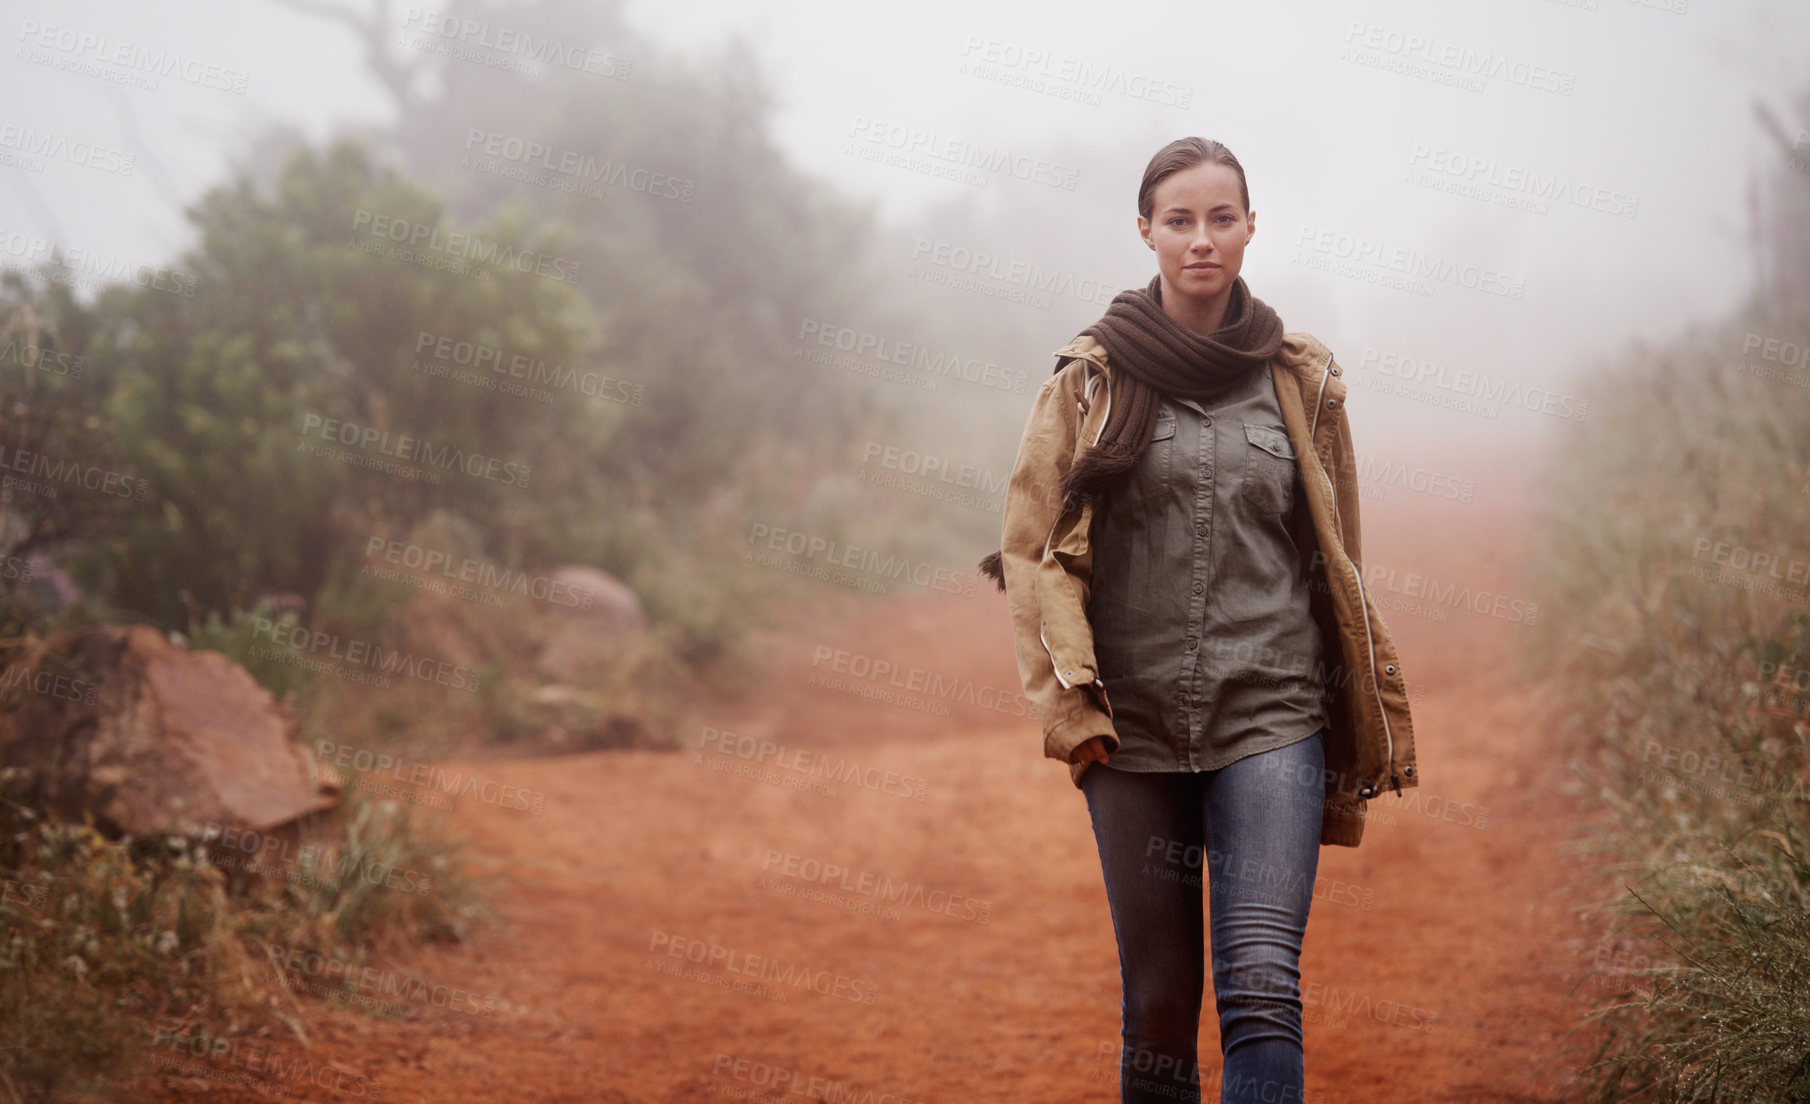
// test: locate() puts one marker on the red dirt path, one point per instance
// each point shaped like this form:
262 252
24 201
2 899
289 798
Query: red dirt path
1466 933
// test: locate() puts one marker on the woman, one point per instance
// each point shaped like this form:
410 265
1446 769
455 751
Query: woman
1180 556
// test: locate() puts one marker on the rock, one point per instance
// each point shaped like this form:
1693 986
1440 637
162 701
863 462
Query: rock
606 601
593 614
120 723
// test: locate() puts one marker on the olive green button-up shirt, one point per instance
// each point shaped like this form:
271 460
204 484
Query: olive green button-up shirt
1199 603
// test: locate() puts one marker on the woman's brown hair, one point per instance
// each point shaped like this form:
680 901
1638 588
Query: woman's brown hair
1185 153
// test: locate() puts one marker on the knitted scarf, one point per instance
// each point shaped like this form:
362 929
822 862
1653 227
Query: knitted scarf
1149 352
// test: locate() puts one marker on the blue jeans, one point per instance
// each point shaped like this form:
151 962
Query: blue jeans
1256 822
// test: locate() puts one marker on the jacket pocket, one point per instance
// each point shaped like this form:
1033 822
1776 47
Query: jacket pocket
1269 469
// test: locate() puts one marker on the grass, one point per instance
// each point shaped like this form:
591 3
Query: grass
104 936
1680 652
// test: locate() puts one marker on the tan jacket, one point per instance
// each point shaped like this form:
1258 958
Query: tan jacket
1047 565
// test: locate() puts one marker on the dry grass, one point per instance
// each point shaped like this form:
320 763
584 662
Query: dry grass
1684 657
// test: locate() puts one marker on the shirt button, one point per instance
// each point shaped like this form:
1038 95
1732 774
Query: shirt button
1192 642
1197 588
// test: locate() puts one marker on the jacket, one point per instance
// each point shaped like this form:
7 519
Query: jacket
1045 563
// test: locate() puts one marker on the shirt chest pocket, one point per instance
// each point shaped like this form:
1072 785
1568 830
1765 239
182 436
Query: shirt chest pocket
1269 469
1149 477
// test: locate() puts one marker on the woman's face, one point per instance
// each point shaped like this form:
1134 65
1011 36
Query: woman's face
1199 228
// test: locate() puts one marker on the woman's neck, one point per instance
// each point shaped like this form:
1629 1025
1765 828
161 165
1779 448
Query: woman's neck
1203 316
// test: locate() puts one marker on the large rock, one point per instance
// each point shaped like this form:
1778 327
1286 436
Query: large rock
603 613
120 723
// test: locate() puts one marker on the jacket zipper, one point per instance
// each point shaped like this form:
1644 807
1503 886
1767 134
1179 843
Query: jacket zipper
1369 641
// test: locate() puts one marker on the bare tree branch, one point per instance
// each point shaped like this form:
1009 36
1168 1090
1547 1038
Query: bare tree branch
1770 123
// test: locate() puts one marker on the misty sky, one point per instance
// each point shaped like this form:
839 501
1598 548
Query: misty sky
1351 120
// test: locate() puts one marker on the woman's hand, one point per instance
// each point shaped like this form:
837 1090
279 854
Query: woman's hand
1093 748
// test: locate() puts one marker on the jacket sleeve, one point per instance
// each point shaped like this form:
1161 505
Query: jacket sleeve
1047 567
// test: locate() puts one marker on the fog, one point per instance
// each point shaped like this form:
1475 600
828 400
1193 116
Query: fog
1630 124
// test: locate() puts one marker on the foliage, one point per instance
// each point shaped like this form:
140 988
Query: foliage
104 938
1687 672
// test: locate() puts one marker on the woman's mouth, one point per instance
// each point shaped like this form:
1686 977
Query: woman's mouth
1202 267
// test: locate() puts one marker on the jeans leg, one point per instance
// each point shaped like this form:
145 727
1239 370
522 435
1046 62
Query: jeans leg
1263 849
1148 827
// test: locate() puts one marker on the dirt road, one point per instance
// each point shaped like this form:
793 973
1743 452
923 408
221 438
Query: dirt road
1438 955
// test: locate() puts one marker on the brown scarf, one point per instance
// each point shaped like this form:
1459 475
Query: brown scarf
1149 353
